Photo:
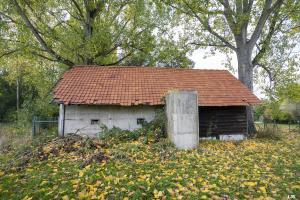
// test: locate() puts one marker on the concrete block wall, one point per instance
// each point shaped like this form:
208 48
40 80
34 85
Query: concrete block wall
182 118
78 117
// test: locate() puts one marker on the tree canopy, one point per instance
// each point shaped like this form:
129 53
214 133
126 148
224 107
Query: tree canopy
41 39
91 32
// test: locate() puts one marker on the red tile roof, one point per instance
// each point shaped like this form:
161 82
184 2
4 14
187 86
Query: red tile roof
148 85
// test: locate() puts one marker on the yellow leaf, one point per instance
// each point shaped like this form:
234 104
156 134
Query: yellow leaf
170 191
200 179
1 173
29 169
223 177
203 197
74 181
65 197
81 173
82 195
296 187
27 198
263 189
251 184
158 194
43 183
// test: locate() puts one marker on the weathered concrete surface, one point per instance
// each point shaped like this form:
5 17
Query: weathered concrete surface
78 117
182 118
61 120
236 137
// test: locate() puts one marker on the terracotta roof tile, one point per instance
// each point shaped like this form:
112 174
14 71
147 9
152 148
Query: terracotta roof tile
148 85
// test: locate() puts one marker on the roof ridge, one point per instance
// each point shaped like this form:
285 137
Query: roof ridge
149 67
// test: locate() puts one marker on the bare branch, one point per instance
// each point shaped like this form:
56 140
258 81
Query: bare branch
78 8
35 32
206 25
274 26
9 17
267 10
120 60
43 56
107 52
207 44
7 53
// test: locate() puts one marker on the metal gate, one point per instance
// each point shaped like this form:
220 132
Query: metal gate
39 124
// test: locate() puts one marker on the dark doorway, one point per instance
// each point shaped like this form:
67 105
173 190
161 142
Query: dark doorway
223 120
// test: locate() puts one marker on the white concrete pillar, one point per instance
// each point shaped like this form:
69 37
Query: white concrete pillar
183 118
61 120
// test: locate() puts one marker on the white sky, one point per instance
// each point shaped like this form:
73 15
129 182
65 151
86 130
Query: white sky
216 62
212 62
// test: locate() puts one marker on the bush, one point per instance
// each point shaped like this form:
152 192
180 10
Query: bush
117 134
156 129
269 133
152 131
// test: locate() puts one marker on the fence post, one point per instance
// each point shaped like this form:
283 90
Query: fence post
33 126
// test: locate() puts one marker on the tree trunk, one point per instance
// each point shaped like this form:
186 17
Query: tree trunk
88 32
245 72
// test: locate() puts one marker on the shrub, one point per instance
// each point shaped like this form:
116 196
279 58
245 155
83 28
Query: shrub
152 131
117 134
269 133
156 129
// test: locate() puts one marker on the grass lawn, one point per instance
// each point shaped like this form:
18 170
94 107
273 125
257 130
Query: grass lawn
93 169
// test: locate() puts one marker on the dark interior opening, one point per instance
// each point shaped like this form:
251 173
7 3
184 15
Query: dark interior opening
215 121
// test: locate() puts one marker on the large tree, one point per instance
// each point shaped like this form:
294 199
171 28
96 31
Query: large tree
245 27
40 39
103 32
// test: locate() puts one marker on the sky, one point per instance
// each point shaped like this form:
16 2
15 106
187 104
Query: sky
216 62
212 62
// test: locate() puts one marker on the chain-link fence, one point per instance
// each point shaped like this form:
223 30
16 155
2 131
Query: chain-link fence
290 126
39 124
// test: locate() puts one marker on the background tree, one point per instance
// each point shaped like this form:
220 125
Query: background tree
27 83
7 96
244 27
284 105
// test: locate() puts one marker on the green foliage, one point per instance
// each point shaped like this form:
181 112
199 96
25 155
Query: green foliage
7 97
151 131
274 112
92 32
156 129
259 111
34 81
285 107
289 91
117 134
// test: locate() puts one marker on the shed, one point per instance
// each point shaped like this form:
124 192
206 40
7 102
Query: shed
124 97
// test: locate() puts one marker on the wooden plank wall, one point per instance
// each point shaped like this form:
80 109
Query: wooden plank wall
214 121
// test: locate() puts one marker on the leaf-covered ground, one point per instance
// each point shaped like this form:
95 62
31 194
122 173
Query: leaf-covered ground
78 168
